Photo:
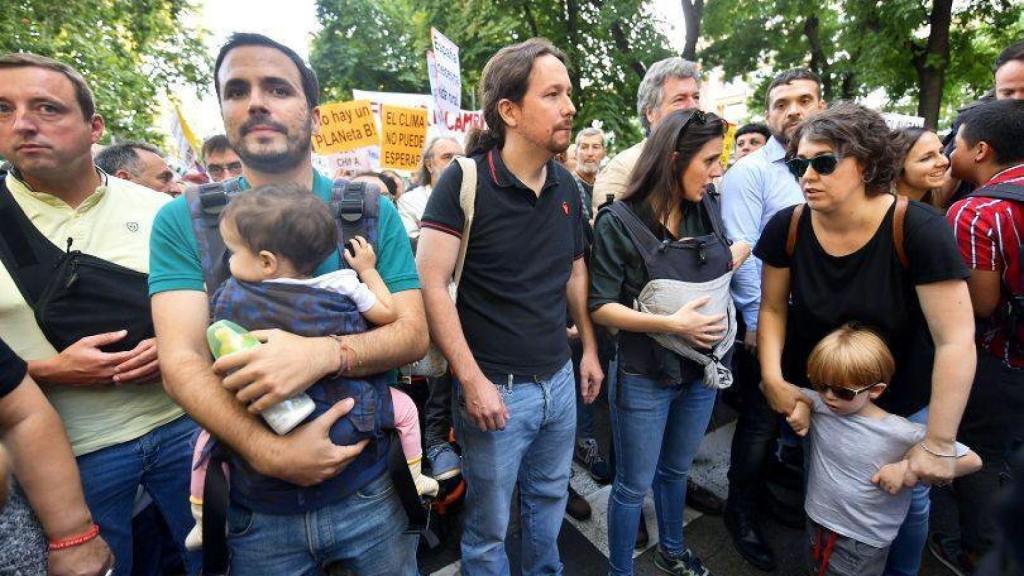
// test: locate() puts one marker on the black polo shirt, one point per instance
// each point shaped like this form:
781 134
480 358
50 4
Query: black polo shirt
521 251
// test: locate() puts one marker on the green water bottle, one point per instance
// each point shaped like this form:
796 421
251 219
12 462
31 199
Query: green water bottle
225 337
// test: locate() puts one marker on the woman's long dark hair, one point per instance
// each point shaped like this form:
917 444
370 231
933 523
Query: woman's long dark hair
655 188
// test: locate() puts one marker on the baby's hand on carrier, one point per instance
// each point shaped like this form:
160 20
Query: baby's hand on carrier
800 418
360 255
894 477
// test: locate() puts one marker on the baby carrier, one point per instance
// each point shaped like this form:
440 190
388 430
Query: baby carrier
679 272
304 311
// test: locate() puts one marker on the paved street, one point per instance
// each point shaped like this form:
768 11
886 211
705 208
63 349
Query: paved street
584 544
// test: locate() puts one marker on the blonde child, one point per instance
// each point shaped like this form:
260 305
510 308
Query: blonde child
858 477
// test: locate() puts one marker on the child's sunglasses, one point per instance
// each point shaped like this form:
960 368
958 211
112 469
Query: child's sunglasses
823 164
844 393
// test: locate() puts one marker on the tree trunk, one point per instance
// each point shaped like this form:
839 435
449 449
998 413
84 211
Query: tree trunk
819 62
693 11
575 55
931 64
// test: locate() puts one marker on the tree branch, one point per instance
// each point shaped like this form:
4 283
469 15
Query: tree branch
693 12
622 43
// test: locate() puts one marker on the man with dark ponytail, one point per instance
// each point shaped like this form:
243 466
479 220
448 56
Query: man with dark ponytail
505 337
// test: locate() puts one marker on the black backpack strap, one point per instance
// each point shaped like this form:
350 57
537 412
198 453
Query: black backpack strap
1002 191
205 204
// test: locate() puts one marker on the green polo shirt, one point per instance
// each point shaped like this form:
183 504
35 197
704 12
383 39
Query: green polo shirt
174 262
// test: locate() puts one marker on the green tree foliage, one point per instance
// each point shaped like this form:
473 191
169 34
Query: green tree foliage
130 52
928 56
381 45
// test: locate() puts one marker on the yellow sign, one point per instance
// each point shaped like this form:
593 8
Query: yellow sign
345 126
730 144
405 135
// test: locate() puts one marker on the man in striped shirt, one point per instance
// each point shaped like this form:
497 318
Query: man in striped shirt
989 228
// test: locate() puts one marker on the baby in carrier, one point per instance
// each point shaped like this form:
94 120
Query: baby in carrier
277 236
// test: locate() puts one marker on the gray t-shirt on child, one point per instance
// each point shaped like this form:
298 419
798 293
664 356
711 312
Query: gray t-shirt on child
846 451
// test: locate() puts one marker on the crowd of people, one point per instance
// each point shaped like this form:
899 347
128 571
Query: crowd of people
230 371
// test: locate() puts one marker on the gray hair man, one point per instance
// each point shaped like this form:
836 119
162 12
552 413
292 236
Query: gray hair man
589 152
669 85
141 163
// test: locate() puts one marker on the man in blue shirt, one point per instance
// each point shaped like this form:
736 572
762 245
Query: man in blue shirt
753 190
268 98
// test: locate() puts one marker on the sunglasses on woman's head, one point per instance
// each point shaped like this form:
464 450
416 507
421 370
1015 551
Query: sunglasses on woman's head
823 164
844 393
697 117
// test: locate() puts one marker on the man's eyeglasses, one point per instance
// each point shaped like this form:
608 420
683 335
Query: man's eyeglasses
823 164
844 393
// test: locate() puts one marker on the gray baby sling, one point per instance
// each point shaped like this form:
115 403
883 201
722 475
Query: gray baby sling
679 272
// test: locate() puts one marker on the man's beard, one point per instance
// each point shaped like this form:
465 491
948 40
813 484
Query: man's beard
296 151
588 168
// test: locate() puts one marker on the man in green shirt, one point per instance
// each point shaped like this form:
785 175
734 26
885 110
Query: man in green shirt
269 99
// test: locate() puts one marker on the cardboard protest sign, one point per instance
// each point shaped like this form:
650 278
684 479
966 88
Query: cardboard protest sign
345 126
444 73
405 135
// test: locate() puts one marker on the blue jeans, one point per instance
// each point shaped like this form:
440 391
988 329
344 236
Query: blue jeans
161 461
656 432
535 449
363 533
906 550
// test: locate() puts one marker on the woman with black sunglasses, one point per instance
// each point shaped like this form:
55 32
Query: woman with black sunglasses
660 276
856 253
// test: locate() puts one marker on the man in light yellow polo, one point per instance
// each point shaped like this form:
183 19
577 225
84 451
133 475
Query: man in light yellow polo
74 302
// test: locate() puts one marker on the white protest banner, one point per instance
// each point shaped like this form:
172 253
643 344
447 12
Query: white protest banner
446 82
897 121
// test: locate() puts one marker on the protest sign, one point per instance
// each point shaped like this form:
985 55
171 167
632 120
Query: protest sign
405 135
455 123
345 126
897 121
445 77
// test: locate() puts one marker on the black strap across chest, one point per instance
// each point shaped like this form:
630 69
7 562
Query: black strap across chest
26 253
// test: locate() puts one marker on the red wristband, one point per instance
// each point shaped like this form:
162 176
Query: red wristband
76 540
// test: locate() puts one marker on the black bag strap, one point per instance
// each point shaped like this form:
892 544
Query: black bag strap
405 487
215 513
24 251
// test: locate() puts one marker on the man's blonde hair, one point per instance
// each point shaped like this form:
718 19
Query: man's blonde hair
851 356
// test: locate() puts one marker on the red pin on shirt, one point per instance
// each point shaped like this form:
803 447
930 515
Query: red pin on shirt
565 208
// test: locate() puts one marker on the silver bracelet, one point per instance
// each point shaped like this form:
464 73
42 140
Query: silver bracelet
936 454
